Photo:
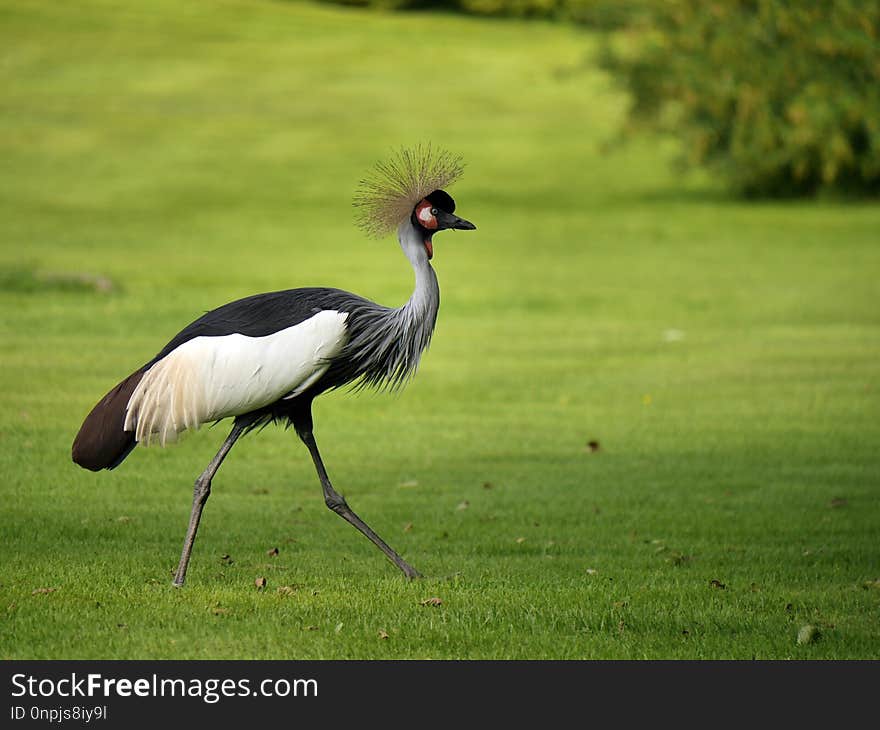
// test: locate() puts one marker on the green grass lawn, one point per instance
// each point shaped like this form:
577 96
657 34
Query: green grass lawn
724 355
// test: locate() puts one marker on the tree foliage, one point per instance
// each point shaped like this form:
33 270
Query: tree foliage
779 97
782 98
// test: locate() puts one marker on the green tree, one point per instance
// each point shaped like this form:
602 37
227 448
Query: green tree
782 98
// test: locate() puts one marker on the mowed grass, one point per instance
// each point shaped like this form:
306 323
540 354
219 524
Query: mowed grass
723 355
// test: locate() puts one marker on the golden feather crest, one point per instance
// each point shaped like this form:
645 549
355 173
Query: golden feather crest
389 193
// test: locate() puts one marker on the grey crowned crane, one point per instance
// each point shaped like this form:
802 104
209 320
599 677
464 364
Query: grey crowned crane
265 358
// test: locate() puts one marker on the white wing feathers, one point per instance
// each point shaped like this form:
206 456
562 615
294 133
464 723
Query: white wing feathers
209 378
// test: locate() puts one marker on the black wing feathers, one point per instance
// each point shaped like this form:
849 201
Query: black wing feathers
259 315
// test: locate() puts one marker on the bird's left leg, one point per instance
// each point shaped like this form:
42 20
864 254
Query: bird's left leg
201 492
336 502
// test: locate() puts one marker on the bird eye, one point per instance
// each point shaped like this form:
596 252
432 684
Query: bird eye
434 211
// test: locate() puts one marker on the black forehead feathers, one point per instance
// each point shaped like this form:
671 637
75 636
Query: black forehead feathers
441 199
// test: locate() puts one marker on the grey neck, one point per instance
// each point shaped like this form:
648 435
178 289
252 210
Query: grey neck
420 312
385 345
415 320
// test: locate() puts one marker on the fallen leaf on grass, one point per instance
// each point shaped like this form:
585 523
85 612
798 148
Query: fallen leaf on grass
273 551
409 484
312 628
432 601
338 627
383 634
592 571
260 583
807 634
226 559
259 490
487 485
407 527
285 590
592 446
838 502
124 519
220 611
463 505
871 584
39 591
520 540
715 583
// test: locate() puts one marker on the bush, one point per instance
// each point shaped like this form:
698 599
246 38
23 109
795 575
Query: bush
596 13
782 98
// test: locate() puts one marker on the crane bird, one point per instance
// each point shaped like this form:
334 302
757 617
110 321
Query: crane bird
265 358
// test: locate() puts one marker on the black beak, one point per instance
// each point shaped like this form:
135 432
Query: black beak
449 220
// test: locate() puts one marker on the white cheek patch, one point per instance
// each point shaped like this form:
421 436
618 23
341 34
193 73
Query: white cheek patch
424 215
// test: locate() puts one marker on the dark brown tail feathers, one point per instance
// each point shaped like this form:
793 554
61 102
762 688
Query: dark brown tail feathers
101 443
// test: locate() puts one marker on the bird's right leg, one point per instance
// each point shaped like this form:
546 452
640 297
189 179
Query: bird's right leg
337 503
201 492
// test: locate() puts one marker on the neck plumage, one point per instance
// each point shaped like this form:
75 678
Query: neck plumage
418 316
385 344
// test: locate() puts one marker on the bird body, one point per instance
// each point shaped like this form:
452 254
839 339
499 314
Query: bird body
266 357
253 354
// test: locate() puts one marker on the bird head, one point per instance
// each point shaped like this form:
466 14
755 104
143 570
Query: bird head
409 187
436 212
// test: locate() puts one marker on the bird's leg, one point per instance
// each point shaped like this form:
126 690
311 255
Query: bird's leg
201 492
337 503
